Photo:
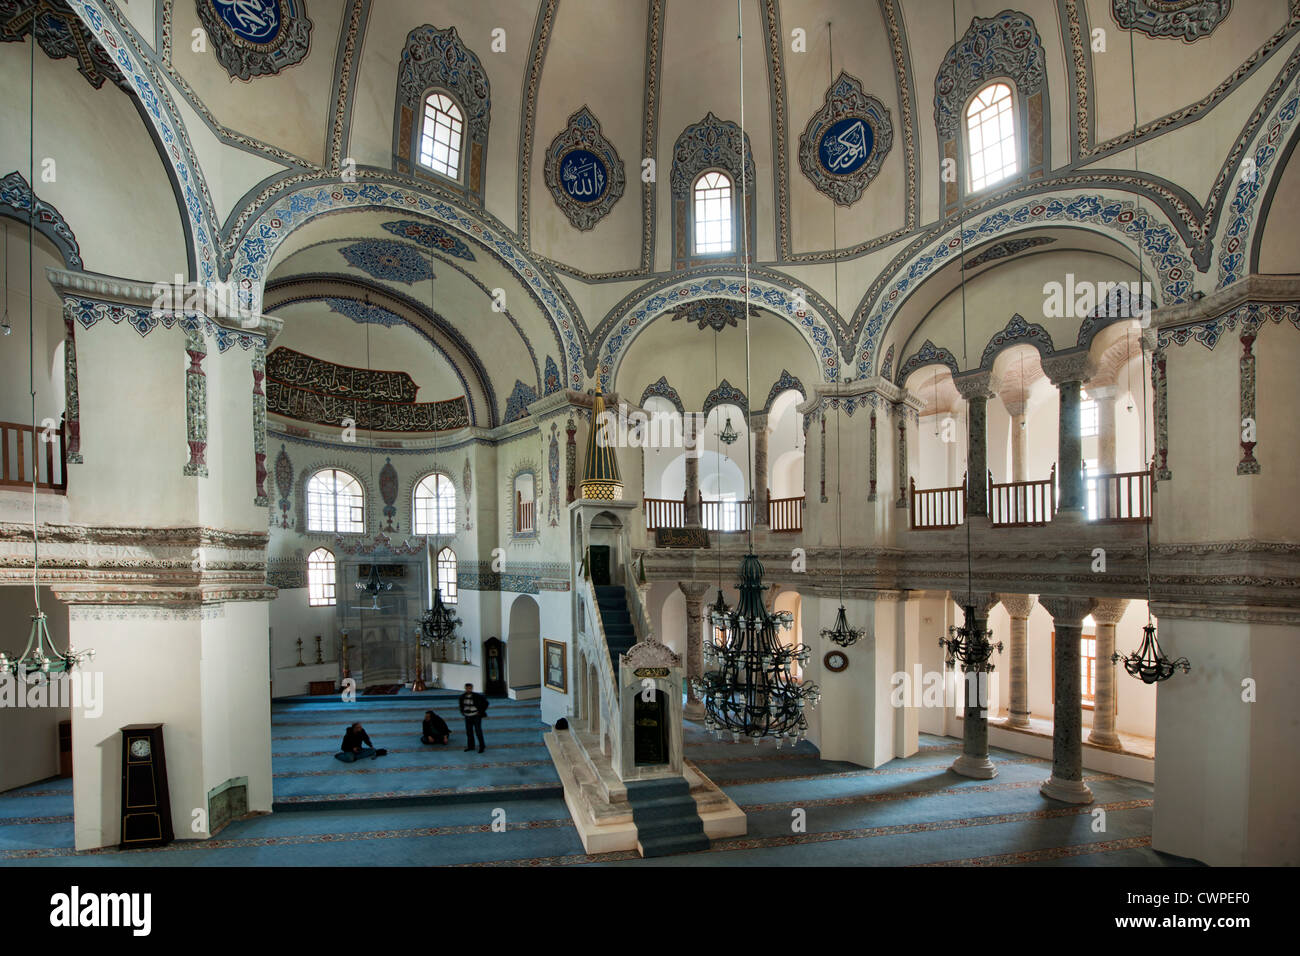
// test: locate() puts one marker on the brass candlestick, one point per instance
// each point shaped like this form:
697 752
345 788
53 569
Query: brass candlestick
300 663
319 660
418 684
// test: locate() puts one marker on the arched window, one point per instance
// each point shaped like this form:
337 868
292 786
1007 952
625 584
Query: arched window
442 135
335 502
435 505
447 575
991 136
320 578
713 214
524 504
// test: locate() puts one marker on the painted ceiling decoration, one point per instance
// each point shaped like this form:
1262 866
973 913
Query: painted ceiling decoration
1004 45
1185 19
363 313
517 404
716 314
431 236
846 141
1007 247
784 383
437 60
59 33
583 171
16 202
928 354
662 389
1018 331
313 390
256 37
709 144
725 394
552 382
389 260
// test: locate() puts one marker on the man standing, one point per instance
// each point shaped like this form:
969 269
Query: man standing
473 707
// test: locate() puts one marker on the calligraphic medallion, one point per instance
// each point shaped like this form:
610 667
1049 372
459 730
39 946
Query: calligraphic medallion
256 37
846 141
583 171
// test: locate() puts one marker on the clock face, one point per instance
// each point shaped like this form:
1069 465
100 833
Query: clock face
140 747
836 661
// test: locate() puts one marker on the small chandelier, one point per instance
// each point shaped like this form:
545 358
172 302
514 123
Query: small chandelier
728 435
40 656
1149 664
841 633
438 624
751 692
969 645
372 587
719 607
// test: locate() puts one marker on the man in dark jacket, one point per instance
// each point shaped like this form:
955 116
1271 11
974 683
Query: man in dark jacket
473 707
351 749
435 729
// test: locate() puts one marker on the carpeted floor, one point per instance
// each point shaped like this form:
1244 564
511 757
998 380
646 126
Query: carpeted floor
428 806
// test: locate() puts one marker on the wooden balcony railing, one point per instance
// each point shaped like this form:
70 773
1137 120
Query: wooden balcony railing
1123 497
27 453
785 514
1022 504
523 514
935 509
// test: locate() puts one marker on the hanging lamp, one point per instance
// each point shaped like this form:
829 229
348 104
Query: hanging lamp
840 632
1149 663
751 690
728 435
40 658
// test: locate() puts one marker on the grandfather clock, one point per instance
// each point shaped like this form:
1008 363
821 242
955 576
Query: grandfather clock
146 803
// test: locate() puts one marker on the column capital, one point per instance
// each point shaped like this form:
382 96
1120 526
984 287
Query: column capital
693 592
1014 409
1103 393
1071 366
1108 610
1066 611
982 601
1019 606
974 384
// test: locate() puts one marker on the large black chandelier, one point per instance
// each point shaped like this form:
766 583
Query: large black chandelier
438 625
970 645
1149 663
750 690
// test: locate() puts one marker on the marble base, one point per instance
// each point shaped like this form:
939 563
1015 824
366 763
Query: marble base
980 768
1067 791
693 710
1105 741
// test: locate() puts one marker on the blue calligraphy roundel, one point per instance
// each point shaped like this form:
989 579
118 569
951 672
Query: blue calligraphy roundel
583 175
256 21
846 146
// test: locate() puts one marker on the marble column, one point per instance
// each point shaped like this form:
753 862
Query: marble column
1019 439
975 389
1019 607
900 455
1104 396
690 436
1066 783
759 424
694 655
974 760
1106 612
1068 372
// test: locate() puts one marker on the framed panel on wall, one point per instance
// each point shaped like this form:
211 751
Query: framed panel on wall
555 665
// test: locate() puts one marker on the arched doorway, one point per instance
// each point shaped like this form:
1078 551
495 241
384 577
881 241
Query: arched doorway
523 657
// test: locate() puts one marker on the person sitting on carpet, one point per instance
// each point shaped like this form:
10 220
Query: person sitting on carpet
435 730
351 749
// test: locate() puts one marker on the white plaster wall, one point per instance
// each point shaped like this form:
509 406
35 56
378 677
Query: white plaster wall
29 737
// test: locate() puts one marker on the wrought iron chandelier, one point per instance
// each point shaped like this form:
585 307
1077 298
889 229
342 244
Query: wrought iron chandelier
40 658
841 633
751 692
438 624
1149 663
970 645
372 587
728 435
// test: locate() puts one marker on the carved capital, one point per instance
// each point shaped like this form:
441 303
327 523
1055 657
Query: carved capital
1066 611
974 385
1019 606
982 601
1108 610
1072 366
694 593
651 654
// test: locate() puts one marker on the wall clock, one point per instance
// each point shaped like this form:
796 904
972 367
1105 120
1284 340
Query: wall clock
836 661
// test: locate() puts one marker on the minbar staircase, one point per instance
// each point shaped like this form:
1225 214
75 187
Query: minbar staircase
616 619
666 816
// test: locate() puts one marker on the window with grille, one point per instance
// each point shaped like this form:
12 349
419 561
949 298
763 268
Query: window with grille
991 137
335 502
435 505
447 575
320 578
713 214
442 135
